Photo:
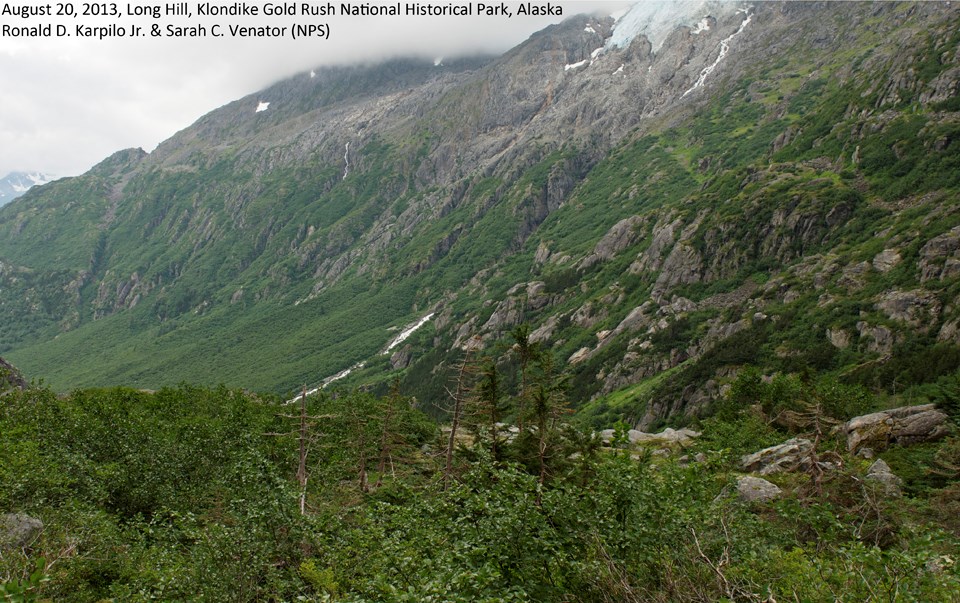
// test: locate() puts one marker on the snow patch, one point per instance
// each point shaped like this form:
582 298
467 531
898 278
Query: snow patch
657 19
403 336
328 381
724 49
597 52
407 332
15 184
589 29
438 62
38 178
341 374
313 74
346 161
576 65
620 69
262 106
702 26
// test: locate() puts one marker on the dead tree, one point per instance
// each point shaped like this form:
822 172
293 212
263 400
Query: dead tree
305 438
389 438
459 396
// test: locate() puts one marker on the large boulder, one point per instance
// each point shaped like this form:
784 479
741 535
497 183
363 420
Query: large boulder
756 489
904 426
788 456
668 436
18 530
880 473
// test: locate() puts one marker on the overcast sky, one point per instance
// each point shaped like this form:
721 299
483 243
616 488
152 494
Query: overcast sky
67 103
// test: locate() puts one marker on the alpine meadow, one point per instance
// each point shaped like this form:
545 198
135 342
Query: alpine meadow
655 307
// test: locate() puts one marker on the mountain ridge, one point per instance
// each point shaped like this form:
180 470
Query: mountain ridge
506 190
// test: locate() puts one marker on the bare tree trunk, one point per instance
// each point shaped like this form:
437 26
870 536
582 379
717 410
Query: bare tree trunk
386 435
302 466
459 396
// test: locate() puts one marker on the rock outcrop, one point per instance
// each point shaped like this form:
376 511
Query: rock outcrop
756 489
18 530
667 436
903 426
788 456
880 473
10 377
622 235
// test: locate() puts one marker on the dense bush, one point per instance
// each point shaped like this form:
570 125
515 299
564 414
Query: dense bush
184 494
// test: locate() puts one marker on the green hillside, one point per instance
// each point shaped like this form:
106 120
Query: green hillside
795 214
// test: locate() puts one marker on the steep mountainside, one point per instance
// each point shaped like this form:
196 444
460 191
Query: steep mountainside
772 184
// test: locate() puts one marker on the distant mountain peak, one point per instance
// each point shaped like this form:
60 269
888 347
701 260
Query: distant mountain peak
15 184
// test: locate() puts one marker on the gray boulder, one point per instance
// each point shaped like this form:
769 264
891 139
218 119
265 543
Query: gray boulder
402 357
904 426
792 454
18 530
668 436
880 473
756 489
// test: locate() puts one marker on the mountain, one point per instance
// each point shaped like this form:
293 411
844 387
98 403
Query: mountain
663 199
15 184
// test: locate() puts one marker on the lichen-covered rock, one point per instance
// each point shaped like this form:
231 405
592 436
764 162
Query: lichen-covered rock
508 313
936 254
18 530
879 339
588 315
664 234
788 456
853 276
880 472
543 253
838 338
622 235
950 331
904 426
402 357
10 377
757 489
579 356
915 308
683 266
667 436
545 331
886 260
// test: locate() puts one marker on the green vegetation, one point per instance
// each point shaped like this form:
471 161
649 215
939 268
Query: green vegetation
195 494
759 262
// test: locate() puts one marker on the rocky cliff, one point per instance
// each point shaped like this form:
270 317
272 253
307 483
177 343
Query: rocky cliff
772 184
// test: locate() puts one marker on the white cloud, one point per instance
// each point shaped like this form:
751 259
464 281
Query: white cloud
66 103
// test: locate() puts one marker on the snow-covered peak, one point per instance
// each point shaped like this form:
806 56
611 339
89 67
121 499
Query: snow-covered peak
655 19
37 178
16 183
